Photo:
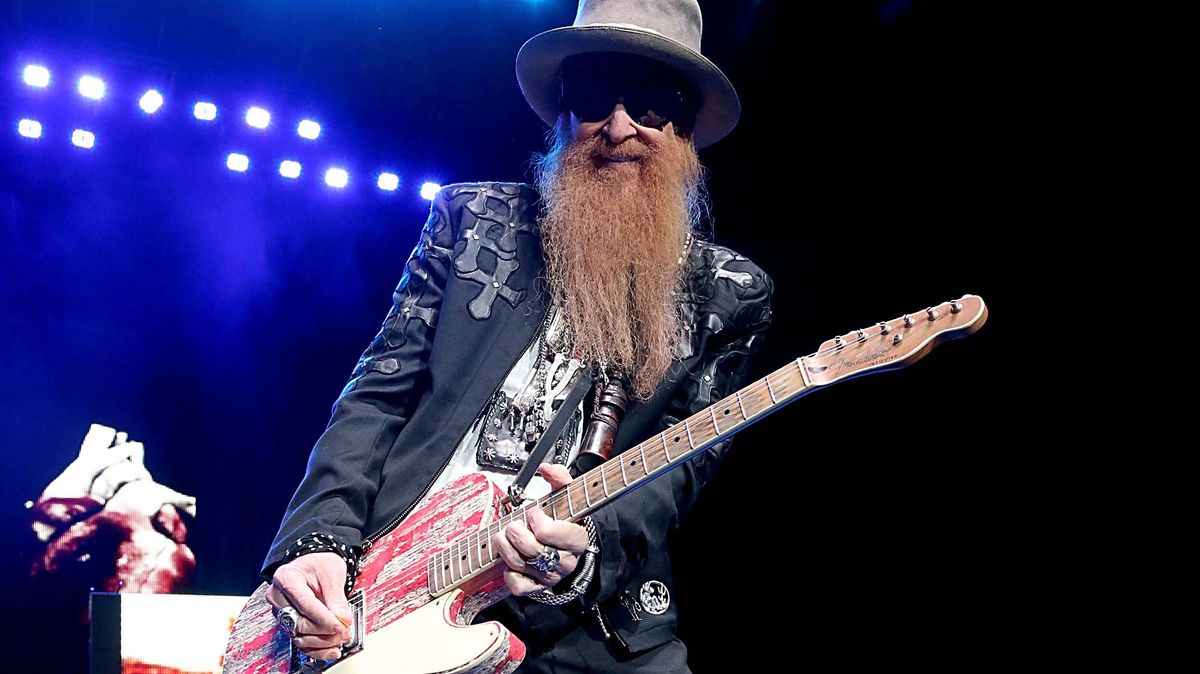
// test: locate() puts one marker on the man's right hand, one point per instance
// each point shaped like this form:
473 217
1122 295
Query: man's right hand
314 585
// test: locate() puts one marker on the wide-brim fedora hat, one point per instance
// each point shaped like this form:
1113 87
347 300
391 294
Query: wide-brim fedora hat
667 31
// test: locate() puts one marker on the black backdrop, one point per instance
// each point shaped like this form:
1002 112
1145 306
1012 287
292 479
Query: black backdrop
215 316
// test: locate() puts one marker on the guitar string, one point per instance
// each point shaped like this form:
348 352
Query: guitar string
782 377
458 547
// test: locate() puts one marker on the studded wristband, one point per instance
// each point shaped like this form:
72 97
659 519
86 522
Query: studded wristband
314 542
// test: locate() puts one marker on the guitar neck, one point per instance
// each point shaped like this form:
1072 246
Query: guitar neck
887 345
473 555
659 454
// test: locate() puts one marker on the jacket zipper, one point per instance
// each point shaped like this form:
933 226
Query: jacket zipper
370 540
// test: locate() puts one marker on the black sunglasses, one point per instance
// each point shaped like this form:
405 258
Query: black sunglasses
653 94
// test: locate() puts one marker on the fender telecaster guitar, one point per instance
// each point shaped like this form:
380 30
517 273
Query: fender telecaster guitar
422 582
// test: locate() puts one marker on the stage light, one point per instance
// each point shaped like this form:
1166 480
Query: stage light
205 111
83 139
37 76
336 177
309 129
430 190
289 169
151 101
91 87
237 162
258 118
388 181
29 128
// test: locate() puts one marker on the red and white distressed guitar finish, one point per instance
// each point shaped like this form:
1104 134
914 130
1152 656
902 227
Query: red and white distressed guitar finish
422 583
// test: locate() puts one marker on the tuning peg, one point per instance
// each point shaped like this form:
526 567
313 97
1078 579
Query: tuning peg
955 307
862 335
908 321
932 313
839 342
897 339
884 328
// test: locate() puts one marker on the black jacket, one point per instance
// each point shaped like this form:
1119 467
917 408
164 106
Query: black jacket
471 300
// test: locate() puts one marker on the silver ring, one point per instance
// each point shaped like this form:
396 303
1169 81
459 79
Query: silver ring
546 561
287 617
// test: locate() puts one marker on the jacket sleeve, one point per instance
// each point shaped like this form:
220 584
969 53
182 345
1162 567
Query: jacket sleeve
344 467
638 525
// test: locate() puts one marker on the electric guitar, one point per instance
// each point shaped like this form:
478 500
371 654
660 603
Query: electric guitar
422 583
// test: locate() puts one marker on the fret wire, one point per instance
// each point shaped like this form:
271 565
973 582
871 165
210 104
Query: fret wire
769 391
688 428
570 502
745 416
458 561
603 482
440 578
624 477
646 468
587 497
491 553
713 412
666 450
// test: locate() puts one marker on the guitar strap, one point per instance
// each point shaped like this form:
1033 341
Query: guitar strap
576 390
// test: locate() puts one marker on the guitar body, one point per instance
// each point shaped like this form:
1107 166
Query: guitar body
401 619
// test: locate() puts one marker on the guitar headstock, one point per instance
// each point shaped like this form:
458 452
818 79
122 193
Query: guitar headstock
894 344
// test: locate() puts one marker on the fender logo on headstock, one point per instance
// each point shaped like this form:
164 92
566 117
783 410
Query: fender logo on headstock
867 359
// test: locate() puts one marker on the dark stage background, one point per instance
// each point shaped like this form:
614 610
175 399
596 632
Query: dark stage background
215 315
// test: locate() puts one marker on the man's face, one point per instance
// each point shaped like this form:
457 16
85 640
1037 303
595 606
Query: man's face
635 104
626 142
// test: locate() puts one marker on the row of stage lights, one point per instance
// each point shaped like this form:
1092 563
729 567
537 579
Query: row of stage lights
93 88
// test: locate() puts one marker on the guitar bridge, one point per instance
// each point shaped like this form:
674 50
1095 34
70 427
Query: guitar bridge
358 624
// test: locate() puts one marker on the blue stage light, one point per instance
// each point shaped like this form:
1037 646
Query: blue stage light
430 190
37 76
336 177
151 101
91 87
205 111
289 169
29 128
388 181
237 162
258 118
309 129
83 139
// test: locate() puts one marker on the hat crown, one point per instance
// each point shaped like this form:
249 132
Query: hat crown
678 20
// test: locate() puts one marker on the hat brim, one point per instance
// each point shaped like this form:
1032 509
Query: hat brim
541 57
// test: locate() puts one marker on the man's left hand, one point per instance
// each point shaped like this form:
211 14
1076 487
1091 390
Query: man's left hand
518 543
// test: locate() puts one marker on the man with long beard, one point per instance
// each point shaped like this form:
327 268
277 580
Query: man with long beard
509 292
